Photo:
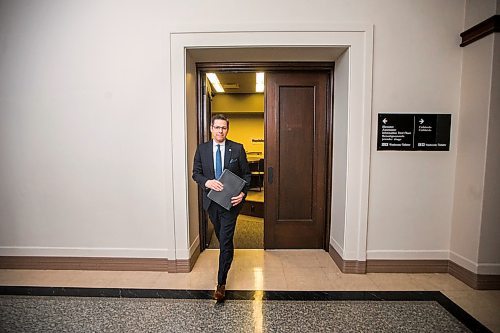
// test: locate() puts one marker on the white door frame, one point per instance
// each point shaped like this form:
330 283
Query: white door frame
359 40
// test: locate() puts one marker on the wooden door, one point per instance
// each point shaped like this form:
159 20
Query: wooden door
296 159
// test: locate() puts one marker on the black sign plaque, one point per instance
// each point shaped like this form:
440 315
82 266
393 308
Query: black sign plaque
410 132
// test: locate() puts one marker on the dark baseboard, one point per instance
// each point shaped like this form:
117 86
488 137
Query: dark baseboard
99 263
84 263
194 258
473 280
464 275
406 266
179 266
347 266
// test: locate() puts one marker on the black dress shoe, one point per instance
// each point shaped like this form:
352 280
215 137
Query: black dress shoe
220 292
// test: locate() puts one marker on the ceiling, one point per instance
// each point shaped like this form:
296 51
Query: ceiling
265 54
237 83
245 80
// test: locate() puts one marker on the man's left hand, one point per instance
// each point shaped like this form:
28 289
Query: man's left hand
237 199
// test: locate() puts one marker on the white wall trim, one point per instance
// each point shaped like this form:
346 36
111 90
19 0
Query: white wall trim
488 269
464 262
194 246
358 37
408 254
336 246
482 268
85 252
269 27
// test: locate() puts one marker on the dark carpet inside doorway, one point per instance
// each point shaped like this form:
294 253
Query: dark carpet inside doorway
39 309
249 234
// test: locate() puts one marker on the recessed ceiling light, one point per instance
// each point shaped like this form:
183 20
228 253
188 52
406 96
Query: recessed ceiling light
259 85
215 82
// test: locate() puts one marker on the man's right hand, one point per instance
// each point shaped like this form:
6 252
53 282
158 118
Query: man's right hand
214 185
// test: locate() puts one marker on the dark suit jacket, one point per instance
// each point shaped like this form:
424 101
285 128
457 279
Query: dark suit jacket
235 159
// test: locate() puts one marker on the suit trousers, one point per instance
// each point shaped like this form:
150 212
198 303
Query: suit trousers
224 222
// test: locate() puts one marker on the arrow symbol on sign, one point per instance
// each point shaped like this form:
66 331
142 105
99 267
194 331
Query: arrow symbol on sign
421 121
384 121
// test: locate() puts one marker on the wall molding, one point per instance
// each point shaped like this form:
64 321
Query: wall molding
480 30
357 37
194 257
84 263
336 246
408 254
347 266
488 269
463 262
100 263
473 280
85 252
406 266
195 247
179 266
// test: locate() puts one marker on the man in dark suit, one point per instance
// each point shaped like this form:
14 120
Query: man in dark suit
210 160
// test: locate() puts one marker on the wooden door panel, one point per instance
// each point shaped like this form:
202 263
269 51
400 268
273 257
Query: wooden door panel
296 137
295 188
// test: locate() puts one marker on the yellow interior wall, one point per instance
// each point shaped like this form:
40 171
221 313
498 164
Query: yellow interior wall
246 120
245 127
228 103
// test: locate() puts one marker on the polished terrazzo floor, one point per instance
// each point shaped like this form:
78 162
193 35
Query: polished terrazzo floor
99 314
271 270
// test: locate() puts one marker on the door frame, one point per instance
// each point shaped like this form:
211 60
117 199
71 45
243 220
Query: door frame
203 123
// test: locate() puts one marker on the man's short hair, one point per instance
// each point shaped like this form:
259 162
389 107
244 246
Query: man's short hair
219 116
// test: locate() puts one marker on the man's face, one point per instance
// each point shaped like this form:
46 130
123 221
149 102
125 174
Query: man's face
219 130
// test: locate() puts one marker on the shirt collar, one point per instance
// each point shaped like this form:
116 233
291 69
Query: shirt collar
221 144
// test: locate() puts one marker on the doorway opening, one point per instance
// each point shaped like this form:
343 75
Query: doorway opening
288 205
239 95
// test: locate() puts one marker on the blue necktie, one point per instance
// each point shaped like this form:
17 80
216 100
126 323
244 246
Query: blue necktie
218 163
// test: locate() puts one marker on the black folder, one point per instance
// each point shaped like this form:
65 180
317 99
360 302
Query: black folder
232 187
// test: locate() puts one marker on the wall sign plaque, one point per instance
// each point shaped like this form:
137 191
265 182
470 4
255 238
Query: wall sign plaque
411 132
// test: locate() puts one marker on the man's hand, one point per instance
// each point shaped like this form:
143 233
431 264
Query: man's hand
237 199
214 185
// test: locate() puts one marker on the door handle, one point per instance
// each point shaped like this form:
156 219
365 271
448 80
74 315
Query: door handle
270 175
